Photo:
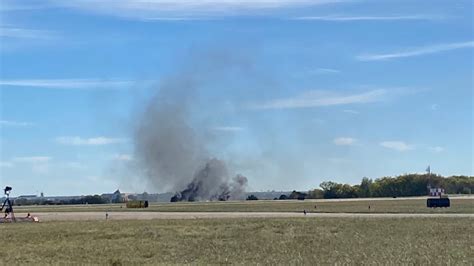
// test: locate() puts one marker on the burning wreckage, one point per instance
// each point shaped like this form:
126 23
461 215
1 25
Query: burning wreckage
211 183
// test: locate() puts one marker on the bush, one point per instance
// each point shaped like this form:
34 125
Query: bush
283 197
297 195
252 197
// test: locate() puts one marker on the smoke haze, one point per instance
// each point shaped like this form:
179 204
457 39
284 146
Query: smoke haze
173 153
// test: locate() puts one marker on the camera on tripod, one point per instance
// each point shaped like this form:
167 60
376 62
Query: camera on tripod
8 204
7 190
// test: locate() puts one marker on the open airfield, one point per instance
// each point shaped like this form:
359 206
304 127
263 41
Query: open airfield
84 216
393 231
303 240
463 204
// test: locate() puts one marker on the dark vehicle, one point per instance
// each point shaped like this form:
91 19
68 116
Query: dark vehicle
137 204
438 202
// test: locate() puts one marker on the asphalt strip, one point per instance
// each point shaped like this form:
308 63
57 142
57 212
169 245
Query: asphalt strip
84 216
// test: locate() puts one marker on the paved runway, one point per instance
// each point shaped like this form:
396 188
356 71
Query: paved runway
81 216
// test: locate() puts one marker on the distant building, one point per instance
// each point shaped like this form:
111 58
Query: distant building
28 197
116 197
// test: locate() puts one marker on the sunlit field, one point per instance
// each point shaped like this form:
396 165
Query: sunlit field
267 241
415 205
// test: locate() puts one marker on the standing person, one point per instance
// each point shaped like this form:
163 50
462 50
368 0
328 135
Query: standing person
304 211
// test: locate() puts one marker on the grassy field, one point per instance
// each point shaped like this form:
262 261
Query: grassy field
243 241
416 205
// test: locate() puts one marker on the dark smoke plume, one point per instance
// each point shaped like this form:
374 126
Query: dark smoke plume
173 153
211 183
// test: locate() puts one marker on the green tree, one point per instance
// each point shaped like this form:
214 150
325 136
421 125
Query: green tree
252 197
365 188
316 194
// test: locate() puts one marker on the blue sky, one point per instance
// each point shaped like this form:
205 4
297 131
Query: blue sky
295 92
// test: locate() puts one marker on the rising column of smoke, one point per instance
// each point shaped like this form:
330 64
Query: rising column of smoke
166 147
171 152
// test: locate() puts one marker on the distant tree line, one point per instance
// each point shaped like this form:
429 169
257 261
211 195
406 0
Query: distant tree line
90 199
294 195
400 186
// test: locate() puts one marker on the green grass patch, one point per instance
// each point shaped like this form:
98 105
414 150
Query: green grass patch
242 241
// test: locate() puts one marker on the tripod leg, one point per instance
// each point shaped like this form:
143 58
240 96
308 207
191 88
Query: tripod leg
11 210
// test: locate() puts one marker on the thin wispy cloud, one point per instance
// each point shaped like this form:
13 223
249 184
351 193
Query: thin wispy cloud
319 121
15 5
4 164
78 141
348 111
228 129
8 123
344 141
67 83
123 157
32 159
321 71
185 9
396 145
322 98
315 71
73 165
368 18
436 149
424 50
174 19
22 33
339 160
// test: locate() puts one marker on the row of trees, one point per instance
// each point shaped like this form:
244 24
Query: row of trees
400 186
90 199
